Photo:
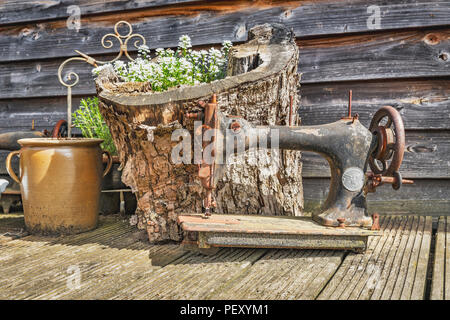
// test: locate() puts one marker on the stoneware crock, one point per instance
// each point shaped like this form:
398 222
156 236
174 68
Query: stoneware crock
60 182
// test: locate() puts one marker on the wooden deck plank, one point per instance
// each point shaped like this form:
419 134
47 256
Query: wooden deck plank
26 252
413 261
410 266
380 271
194 276
395 283
393 267
53 282
437 286
193 287
370 256
114 265
38 266
291 261
287 283
114 271
418 291
298 274
322 277
134 271
341 277
381 262
300 289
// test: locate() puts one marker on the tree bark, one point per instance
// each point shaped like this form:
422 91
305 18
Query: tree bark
262 80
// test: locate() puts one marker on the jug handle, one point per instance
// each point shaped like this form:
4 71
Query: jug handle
109 163
8 165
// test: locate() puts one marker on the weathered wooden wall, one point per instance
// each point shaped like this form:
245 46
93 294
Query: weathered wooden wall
404 63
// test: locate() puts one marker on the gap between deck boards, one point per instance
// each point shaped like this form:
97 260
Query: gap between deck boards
430 266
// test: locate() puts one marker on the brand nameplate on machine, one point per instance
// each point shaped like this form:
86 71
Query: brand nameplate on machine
353 179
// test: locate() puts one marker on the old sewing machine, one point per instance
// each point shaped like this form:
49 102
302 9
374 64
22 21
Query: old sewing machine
343 221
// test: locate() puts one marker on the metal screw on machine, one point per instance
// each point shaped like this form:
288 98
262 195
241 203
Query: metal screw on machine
341 222
349 114
376 222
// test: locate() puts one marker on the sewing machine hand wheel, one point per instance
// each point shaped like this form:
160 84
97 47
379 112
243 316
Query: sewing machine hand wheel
60 129
391 143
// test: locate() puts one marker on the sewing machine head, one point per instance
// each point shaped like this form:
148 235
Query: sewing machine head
348 146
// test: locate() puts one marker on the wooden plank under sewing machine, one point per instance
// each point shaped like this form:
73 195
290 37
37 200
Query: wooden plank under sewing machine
270 232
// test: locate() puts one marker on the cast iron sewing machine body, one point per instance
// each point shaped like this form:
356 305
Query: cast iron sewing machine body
349 148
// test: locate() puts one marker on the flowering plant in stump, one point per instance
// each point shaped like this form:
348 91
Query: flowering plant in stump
145 101
173 68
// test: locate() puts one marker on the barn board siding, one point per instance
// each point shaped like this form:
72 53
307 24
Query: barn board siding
334 16
19 113
19 11
423 103
384 56
425 196
216 21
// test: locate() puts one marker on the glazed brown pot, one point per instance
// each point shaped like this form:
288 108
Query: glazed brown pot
60 182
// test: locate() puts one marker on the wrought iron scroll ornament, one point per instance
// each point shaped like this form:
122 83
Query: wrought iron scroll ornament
107 42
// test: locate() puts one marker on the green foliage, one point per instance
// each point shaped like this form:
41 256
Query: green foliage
89 120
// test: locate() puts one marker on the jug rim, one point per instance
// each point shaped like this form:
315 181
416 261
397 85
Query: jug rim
53 142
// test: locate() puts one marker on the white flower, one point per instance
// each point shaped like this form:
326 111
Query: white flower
214 53
227 44
120 67
143 51
97 70
184 42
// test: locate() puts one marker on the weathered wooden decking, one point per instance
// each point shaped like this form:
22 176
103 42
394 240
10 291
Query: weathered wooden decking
114 264
440 288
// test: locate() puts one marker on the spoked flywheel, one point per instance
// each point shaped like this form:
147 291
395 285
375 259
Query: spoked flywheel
387 126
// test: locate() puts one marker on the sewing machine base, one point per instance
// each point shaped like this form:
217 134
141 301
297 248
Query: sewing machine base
254 231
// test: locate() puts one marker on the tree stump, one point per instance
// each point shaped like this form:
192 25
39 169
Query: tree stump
261 86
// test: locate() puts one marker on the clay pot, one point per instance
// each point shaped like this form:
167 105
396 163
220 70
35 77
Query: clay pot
60 183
